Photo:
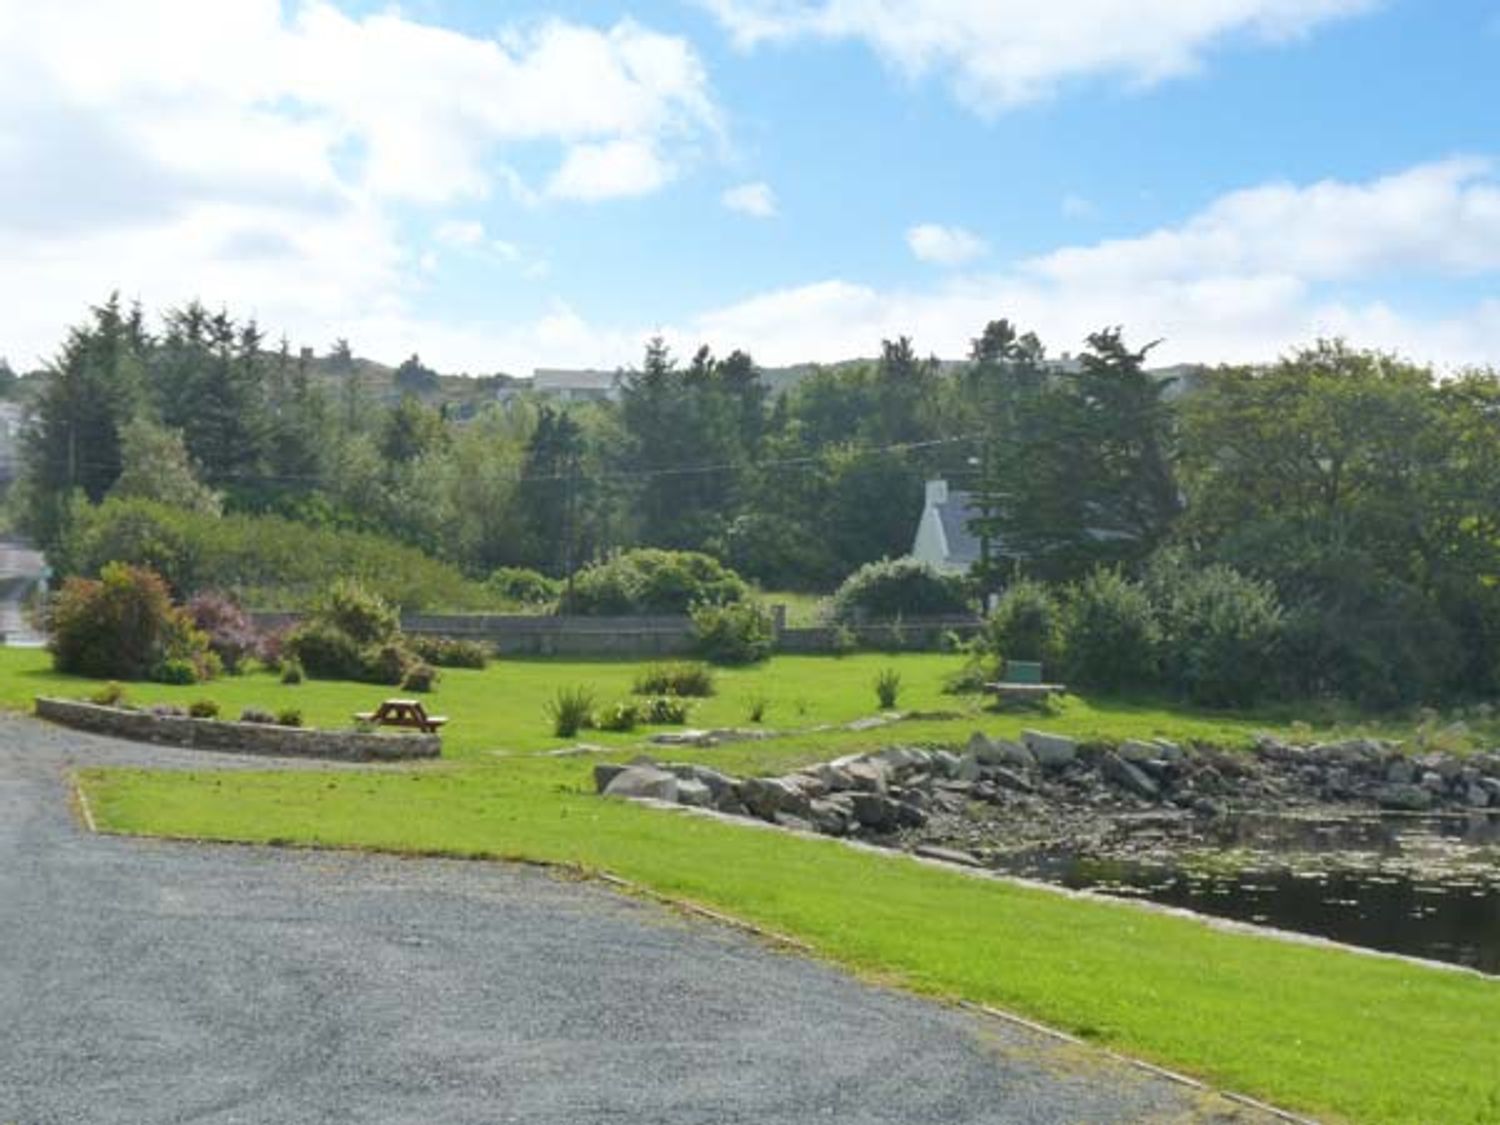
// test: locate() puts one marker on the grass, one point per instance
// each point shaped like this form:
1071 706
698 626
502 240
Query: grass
1327 1032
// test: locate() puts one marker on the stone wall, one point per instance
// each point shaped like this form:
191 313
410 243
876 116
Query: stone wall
238 738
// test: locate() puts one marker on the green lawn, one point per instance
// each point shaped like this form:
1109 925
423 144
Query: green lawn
1330 1033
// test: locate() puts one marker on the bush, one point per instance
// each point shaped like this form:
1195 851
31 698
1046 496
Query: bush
291 672
667 711
175 671
232 636
203 709
1025 624
1112 638
354 610
1221 633
257 715
888 688
420 678
738 633
652 581
111 694
325 651
449 652
384 664
695 680
756 707
893 588
571 710
518 585
621 717
289 717
123 626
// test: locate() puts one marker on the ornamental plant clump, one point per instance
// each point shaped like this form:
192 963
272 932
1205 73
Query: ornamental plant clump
571 710
696 680
888 688
123 625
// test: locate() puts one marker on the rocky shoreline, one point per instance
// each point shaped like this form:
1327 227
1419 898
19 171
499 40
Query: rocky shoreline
991 798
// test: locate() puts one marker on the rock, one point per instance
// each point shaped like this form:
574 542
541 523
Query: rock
1137 752
829 817
910 814
796 823
767 796
1051 751
643 781
1476 796
945 763
998 752
718 783
1401 772
1009 779
968 768
1432 781
876 812
1203 807
691 791
1128 777
1404 797
1170 751
869 777
604 773
684 738
946 855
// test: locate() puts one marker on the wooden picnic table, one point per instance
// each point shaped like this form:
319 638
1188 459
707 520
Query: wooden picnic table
402 713
1007 691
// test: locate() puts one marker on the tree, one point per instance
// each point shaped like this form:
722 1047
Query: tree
413 378
156 466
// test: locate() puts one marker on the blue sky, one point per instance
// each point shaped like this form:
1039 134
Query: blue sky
503 186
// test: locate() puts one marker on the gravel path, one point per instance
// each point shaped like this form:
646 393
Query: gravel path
156 982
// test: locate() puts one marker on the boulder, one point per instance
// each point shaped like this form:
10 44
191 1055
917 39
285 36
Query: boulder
1009 779
1051 751
998 752
945 763
869 777
604 773
1132 779
767 796
946 855
829 817
795 823
1137 752
691 791
1476 796
876 812
684 738
968 768
1404 797
643 781
1401 772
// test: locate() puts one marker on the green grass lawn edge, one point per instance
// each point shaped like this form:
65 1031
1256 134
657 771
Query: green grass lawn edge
1327 1032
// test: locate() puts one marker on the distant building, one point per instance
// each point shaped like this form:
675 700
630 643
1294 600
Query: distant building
567 386
943 536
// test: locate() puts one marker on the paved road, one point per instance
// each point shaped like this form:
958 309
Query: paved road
156 982
21 570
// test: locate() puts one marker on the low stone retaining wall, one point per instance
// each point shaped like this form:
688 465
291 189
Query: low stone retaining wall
238 738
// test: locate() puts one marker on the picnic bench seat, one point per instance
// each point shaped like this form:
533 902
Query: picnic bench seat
402 713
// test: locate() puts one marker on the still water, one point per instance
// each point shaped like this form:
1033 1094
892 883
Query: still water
1425 886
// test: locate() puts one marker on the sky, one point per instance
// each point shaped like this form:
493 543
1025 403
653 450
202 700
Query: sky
505 186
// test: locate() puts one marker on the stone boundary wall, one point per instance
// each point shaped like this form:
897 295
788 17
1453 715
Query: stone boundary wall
631 637
238 738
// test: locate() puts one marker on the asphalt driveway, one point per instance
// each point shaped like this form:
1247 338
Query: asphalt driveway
155 982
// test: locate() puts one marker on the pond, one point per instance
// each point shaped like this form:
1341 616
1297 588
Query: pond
1426 886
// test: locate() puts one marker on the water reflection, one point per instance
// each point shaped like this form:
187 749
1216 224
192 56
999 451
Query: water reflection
1425 886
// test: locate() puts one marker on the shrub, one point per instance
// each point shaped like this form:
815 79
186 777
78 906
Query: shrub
695 680
384 664
667 711
289 717
351 608
1025 624
232 636
1113 642
756 707
291 672
323 650
891 588
257 715
1221 633
845 640
449 652
652 581
517 584
620 717
420 678
123 626
738 633
175 671
111 694
888 688
203 709
571 710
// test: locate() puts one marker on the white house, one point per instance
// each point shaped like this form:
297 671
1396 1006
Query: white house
943 535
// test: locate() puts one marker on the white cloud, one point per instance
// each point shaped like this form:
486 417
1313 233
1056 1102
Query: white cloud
1002 53
1075 206
756 200
945 246
260 153
613 170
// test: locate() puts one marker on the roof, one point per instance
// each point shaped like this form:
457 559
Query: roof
955 514
557 379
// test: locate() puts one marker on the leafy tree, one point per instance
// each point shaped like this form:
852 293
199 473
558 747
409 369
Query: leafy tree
156 466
